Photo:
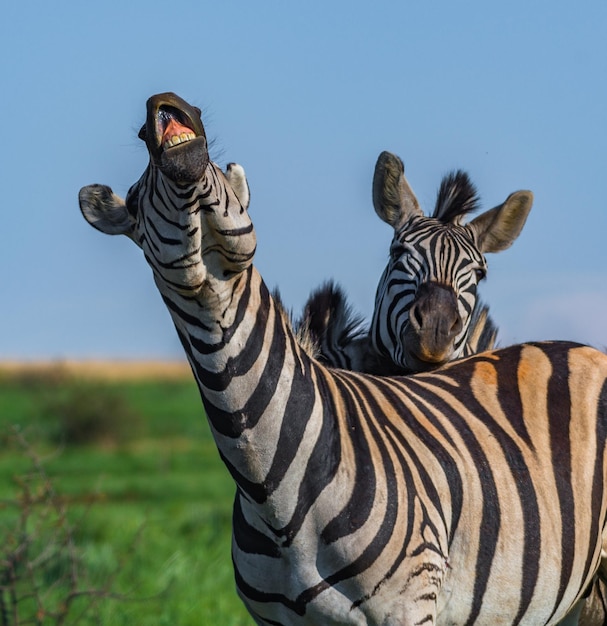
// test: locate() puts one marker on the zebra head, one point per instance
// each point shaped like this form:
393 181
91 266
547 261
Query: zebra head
427 293
187 216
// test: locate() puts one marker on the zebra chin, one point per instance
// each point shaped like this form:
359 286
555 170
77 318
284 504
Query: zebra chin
421 353
187 162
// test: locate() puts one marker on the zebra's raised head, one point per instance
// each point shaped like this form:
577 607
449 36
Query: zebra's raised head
193 227
427 293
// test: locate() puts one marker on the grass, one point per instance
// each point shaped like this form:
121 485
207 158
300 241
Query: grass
150 503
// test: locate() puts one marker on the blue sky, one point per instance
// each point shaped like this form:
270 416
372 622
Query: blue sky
305 96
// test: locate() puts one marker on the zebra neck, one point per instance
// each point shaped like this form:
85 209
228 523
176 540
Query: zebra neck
255 381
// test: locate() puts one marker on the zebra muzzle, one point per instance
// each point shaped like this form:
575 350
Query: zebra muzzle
175 138
434 325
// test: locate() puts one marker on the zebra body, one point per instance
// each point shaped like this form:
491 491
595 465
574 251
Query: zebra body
340 337
474 495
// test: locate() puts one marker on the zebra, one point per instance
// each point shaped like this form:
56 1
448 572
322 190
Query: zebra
427 292
339 334
471 495
426 307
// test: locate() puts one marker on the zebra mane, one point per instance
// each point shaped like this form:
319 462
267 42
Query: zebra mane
482 332
456 197
327 311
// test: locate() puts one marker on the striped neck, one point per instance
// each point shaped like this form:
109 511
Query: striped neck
255 380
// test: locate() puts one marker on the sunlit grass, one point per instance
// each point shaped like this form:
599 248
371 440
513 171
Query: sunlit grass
151 512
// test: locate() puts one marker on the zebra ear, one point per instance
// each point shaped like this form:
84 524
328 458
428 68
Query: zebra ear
496 229
393 199
104 210
238 180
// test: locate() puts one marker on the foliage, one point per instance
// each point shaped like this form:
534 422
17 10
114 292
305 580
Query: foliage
86 413
152 512
43 577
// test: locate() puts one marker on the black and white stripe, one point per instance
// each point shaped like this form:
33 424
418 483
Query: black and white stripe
475 495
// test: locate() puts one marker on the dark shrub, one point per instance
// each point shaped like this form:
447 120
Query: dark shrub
88 413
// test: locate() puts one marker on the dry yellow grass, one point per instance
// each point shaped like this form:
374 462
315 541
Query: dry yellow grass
99 370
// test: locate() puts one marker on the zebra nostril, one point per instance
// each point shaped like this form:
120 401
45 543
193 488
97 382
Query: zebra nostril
456 326
416 317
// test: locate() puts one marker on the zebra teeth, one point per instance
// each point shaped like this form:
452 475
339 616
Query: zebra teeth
175 140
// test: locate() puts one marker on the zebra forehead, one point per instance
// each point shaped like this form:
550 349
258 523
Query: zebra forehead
429 234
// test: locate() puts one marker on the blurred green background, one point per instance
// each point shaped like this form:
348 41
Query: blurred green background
114 505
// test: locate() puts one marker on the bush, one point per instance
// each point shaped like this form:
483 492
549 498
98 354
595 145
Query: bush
43 576
87 413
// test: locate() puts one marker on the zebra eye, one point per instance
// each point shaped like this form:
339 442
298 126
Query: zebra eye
397 249
480 273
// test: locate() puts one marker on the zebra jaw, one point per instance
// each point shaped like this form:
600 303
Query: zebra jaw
421 359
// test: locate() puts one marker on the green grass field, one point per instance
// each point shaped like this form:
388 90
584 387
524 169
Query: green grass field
148 502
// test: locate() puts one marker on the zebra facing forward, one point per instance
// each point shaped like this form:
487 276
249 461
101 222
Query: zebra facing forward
426 308
475 495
